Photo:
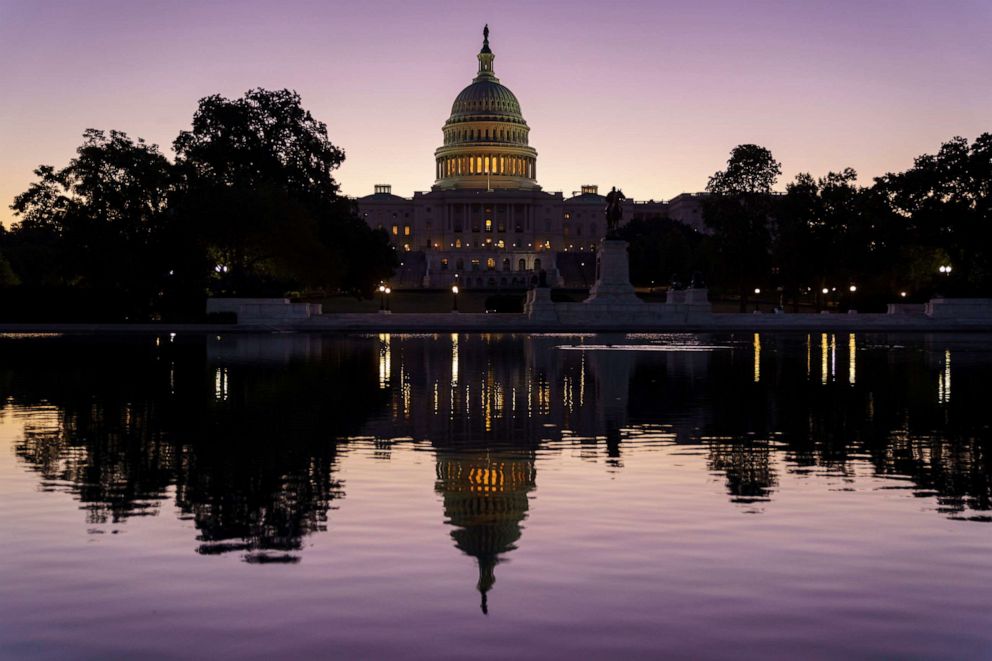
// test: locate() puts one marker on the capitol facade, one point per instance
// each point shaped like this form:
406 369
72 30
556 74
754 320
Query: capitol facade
486 223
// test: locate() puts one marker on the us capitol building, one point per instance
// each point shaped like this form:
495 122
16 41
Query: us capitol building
486 223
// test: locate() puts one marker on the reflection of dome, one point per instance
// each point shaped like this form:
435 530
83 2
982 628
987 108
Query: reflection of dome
485 138
485 499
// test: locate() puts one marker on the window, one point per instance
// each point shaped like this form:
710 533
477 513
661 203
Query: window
444 264
460 264
406 230
396 230
458 243
489 224
537 264
522 264
506 264
475 265
491 263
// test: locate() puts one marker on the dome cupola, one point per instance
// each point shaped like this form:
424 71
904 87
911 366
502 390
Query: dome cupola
486 137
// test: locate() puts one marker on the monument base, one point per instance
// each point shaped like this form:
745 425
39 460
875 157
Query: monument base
538 305
612 285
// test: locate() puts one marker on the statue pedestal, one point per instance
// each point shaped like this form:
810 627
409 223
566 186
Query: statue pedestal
613 276
538 305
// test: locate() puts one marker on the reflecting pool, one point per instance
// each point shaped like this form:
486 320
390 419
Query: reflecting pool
496 496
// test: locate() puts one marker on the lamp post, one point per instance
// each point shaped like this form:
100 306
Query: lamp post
388 292
945 270
757 292
853 289
382 297
454 298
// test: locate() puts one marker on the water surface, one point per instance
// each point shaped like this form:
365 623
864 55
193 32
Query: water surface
493 496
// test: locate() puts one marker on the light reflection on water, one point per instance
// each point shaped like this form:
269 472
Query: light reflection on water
427 495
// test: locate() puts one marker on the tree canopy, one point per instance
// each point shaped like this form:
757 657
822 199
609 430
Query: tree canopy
249 207
738 211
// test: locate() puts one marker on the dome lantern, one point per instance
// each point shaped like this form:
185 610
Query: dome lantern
486 57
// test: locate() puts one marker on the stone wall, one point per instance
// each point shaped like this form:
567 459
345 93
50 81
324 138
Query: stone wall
263 311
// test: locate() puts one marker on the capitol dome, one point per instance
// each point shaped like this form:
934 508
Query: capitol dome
486 97
486 137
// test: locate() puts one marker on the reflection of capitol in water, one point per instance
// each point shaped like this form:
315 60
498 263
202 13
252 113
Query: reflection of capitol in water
485 499
487 404
452 389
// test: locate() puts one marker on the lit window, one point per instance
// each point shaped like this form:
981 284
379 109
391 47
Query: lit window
458 243
396 230
406 230
490 263
489 224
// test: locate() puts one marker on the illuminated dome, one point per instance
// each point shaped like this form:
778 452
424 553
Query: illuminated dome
485 138
489 98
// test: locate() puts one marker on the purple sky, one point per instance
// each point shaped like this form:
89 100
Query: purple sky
650 96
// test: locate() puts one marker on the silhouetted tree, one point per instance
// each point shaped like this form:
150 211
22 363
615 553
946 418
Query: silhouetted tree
738 210
94 224
260 193
660 247
946 201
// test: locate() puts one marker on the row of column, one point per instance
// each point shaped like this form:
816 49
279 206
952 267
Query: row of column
485 135
516 166
511 218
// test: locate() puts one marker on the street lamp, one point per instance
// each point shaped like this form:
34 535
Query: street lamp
945 269
382 297
853 288
757 290
454 298
388 292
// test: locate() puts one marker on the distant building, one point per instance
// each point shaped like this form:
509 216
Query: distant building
486 223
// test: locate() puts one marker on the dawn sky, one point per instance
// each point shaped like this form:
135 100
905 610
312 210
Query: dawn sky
649 96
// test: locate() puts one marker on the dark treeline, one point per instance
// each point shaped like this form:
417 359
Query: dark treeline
249 206
829 233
